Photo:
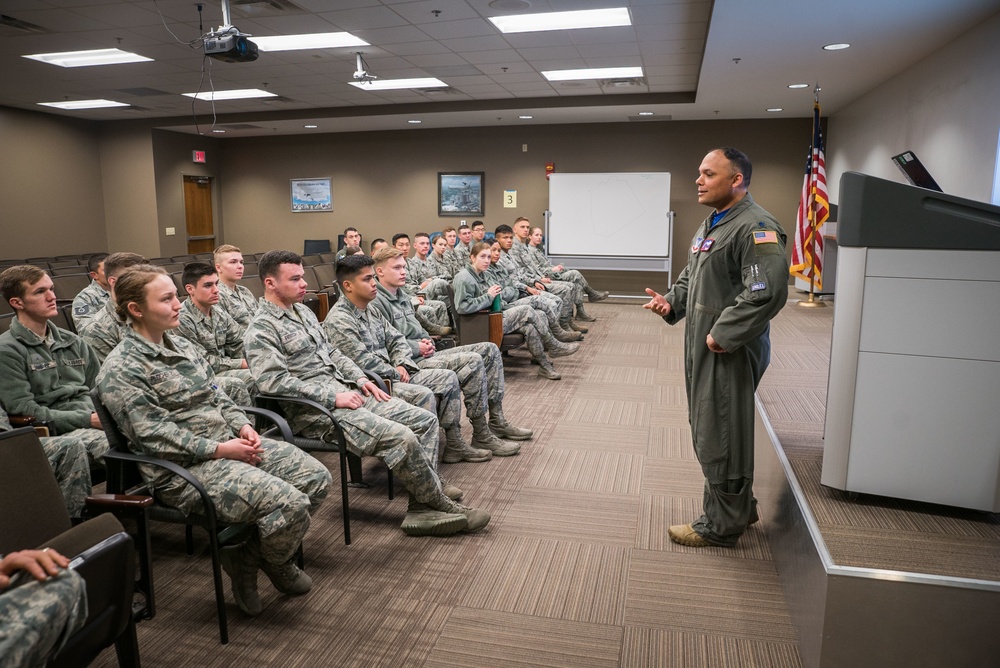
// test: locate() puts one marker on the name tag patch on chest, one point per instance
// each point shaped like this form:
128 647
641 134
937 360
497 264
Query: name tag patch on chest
707 245
765 237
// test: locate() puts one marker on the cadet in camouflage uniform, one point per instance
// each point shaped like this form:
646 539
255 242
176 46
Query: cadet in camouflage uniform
735 281
478 366
234 299
290 355
38 616
210 328
542 265
89 301
515 292
525 270
431 295
420 275
168 406
473 292
367 338
463 247
453 259
47 371
105 329
70 464
439 262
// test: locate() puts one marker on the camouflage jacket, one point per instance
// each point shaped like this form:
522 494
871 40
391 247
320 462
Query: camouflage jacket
398 310
367 338
219 337
538 262
166 402
87 304
49 379
440 266
497 274
239 303
104 331
470 291
289 355
519 264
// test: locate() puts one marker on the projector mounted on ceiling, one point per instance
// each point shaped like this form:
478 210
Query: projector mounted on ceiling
228 43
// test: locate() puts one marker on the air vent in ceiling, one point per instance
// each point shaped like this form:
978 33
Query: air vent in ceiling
257 7
622 83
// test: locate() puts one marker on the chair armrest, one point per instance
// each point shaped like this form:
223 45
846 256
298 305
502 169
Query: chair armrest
381 383
315 405
17 421
273 418
112 502
176 469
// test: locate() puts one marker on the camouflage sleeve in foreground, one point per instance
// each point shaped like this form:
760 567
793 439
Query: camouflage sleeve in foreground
37 618
87 304
104 332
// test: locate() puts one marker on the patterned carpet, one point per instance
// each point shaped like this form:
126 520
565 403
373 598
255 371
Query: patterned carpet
574 570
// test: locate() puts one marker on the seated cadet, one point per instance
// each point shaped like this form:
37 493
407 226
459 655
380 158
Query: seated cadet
70 464
92 298
530 281
478 365
234 299
211 329
420 276
521 253
163 397
351 238
439 262
454 260
39 613
463 247
516 293
474 292
351 250
290 355
378 244
367 338
46 371
558 272
106 329
478 233
430 297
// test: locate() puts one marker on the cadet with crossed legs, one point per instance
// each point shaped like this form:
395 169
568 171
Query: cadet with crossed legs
290 355
164 398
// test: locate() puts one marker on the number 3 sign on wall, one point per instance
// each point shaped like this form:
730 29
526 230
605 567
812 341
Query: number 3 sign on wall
510 199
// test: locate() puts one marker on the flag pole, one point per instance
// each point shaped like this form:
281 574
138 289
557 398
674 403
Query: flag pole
812 302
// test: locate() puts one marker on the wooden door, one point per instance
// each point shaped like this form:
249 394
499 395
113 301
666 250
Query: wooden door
198 212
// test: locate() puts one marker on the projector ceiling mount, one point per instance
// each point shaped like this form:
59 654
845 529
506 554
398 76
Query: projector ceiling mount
228 43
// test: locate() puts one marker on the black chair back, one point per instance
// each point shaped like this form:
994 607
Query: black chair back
28 483
312 246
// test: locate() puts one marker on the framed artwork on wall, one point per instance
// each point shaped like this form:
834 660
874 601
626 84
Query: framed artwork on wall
311 195
461 193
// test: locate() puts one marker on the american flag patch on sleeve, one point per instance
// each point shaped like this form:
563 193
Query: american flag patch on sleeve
767 237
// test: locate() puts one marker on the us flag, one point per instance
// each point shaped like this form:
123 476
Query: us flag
814 209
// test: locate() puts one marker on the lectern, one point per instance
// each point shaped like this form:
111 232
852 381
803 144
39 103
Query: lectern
913 401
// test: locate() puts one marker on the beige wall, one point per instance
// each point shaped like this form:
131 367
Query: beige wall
944 108
126 153
386 182
50 186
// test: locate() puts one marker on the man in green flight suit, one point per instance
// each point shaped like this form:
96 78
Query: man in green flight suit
735 281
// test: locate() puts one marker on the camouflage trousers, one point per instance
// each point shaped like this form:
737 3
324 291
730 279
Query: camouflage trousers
403 436
235 388
568 292
437 290
432 312
244 377
277 495
69 458
576 278
553 309
479 368
37 618
444 391
531 324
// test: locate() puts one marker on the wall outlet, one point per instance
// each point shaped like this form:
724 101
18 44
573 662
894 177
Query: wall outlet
170 231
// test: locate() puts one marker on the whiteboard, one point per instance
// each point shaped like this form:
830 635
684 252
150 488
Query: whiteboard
609 215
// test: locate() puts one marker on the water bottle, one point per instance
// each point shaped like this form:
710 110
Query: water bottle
495 308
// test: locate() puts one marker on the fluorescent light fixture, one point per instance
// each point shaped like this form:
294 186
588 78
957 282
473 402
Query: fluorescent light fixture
593 73
317 40
525 117
84 104
836 47
414 121
240 94
219 132
311 127
775 109
88 58
798 85
395 84
587 18
646 113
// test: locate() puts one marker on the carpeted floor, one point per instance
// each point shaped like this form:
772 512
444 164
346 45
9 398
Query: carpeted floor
574 570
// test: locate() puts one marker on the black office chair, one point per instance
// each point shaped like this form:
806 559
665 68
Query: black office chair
33 515
124 478
313 246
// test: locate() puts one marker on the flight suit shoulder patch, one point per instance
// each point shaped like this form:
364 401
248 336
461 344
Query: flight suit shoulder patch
766 242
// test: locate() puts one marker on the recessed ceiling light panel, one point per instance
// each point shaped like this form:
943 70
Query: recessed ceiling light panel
646 113
525 117
775 109
89 58
318 40
311 127
239 94
396 84
74 105
837 47
587 18
798 85
593 73
414 121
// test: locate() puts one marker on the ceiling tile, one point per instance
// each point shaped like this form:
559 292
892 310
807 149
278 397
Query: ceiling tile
494 57
480 43
365 18
458 29
417 48
422 12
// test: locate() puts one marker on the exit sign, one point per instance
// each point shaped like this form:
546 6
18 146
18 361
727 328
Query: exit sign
198 156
